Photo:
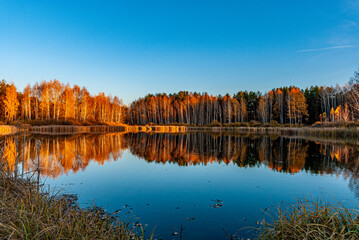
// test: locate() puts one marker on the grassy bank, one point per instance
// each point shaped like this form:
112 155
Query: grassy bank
337 130
156 128
306 219
76 129
65 130
347 135
328 132
29 212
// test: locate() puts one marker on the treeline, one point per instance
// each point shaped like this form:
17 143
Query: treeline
285 105
55 101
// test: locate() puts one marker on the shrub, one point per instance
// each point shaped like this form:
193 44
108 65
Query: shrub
214 123
351 124
317 124
231 125
275 123
245 124
254 123
268 125
234 124
342 124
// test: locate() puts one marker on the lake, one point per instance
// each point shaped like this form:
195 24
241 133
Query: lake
207 183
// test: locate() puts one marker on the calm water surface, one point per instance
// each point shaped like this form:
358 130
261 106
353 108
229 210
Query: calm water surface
204 182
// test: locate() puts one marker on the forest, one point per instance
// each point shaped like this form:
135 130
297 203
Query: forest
55 102
58 102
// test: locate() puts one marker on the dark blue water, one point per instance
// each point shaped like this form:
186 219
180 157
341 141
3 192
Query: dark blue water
208 184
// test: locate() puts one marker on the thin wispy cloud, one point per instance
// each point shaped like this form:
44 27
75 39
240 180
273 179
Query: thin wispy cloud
326 48
352 5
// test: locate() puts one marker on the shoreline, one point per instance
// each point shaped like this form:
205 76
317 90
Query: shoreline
29 211
73 129
331 133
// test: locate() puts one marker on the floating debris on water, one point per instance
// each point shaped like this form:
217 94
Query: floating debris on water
218 203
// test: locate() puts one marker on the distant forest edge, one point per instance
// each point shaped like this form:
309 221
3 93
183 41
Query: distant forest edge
54 103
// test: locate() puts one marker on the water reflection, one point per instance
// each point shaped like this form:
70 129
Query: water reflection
60 154
166 185
289 155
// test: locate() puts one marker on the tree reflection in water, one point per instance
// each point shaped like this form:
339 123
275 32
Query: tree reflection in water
62 154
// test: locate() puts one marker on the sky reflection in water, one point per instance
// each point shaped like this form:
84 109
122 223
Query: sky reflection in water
246 173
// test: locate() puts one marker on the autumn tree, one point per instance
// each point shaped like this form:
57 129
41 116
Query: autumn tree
11 103
55 88
54 100
297 106
262 110
36 95
279 105
85 105
3 86
45 100
68 103
26 103
345 112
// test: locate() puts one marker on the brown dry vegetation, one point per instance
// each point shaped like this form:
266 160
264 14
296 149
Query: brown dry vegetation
307 219
29 212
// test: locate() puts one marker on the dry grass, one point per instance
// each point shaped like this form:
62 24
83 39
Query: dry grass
316 219
29 212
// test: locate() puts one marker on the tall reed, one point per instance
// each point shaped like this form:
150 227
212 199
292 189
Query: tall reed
28 211
311 219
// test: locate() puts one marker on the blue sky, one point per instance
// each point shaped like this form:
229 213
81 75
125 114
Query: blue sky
131 48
